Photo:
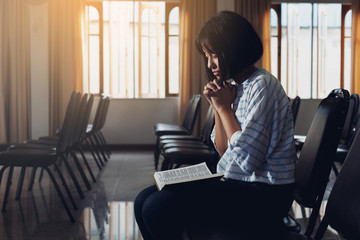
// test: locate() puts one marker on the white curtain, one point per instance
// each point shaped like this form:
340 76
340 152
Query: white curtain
15 125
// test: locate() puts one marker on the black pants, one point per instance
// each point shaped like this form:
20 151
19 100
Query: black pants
231 206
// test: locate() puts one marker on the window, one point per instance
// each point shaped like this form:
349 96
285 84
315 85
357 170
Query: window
346 47
132 49
275 13
310 58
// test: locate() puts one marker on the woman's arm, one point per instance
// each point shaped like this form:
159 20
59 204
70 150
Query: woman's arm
229 121
220 135
221 98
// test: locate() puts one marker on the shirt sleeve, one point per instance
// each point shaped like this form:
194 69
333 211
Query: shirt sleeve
248 147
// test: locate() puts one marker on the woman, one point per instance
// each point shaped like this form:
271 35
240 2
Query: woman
253 134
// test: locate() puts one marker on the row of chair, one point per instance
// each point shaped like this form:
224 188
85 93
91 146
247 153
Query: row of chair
50 151
186 128
176 147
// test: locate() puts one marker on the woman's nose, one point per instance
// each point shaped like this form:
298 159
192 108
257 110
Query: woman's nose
211 63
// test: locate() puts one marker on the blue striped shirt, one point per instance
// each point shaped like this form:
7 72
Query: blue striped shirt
264 150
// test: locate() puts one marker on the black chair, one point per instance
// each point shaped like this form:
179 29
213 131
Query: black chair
349 131
202 141
186 128
183 151
343 206
314 164
43 157
318 153
342 211
76 112
295 106
94 139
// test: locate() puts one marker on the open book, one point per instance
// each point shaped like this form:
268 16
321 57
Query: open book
198 172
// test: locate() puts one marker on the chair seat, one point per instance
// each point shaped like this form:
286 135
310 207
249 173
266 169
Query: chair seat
53 138
179 137
195 145
341 153
169 129
28 157
49 142
190 153
31 146
185 156
299 141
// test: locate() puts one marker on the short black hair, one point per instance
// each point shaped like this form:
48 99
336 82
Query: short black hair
232 38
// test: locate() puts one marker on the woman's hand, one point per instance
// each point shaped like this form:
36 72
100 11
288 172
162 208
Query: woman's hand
210 89
220 96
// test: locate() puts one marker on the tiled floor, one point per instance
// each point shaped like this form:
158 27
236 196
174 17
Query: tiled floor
105 213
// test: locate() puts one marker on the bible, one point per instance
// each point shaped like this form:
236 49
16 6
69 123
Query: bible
198 172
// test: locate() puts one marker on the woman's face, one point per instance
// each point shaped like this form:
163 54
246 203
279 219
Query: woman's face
213 64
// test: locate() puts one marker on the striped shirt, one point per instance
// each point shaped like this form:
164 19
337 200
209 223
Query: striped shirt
264 150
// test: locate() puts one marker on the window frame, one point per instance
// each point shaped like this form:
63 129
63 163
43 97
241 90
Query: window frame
169 6
98 6
345 7
344 10
277 8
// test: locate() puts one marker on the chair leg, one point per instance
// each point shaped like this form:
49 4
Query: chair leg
72 175
95 150
335 169
166 165
93 154
65 186
321 230
2 172
156 157
8 184
82 173
32 178
157 153
108 151
314 216
86 163
41 175
61 196
101 150
20 183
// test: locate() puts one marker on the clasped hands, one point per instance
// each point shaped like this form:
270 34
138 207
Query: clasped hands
220 95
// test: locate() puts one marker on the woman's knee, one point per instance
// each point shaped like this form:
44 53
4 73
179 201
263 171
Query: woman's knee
141 197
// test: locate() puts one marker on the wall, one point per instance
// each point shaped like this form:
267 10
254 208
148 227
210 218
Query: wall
131 121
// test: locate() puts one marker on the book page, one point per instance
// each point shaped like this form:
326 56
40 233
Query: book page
195 171
198 171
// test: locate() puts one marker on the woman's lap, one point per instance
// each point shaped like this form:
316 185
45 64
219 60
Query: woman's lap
168 212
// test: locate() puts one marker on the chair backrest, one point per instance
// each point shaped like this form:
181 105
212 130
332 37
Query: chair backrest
76 125
188 110
319 150
350 121
66 134
295 105
208 126
104 113
191 113
97 118
343 207
86 117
